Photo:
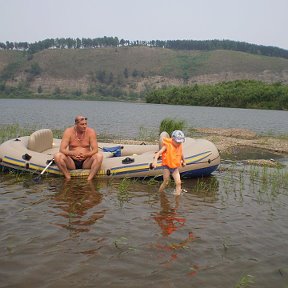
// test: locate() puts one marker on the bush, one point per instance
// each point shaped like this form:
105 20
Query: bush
169 125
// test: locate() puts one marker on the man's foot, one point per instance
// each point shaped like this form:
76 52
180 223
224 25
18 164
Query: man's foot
68 178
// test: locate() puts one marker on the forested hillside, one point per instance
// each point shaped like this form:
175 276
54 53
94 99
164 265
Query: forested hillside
108 68
201 45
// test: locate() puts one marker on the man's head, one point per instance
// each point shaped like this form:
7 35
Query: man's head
80 118
81 122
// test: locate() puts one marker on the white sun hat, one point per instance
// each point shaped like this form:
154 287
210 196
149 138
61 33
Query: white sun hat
178 136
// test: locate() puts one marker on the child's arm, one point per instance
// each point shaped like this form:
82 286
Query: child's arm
183 160
157 155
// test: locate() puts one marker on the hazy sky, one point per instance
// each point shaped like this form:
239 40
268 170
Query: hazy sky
261 22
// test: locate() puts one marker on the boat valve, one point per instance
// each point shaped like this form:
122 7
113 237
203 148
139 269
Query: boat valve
128 160
26 157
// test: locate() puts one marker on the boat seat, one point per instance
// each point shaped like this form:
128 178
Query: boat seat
40 140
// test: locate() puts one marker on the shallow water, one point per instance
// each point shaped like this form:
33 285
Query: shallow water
123 233
238 152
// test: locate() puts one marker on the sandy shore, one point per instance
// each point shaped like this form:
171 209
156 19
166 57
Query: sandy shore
225 139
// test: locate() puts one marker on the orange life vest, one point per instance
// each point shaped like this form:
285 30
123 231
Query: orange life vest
173 155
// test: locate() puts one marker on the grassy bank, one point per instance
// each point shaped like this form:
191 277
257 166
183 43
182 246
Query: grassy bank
14 130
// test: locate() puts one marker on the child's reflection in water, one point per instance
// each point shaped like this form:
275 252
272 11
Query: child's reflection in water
170 221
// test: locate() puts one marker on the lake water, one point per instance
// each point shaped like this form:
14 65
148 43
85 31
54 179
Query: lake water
126 119
227 229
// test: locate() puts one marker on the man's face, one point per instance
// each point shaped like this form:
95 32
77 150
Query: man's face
81 123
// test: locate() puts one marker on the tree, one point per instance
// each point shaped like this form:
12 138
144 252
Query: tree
125 72
101 76
78 43
111 78
135 73
35 69
9 45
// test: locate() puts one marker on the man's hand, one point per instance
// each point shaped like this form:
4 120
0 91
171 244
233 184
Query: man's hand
81 156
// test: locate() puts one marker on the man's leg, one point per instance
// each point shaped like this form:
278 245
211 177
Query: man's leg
63 162
94 164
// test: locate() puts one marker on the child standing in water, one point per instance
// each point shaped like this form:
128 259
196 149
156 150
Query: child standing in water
172 159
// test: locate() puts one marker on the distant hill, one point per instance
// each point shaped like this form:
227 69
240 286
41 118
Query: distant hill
127 72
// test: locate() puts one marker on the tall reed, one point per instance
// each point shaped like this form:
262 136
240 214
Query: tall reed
10 131
169 125
13 131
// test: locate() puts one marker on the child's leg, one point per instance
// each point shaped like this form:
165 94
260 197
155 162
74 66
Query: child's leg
177 180
166 179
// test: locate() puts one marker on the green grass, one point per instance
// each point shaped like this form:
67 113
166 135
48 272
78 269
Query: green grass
146 134
15 130
281 136
245 281
58 63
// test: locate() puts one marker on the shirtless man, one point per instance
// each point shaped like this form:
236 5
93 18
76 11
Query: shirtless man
79 149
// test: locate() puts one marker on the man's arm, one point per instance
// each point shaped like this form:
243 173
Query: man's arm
65 143
93 143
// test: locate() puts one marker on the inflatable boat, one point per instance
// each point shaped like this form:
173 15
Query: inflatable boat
34 153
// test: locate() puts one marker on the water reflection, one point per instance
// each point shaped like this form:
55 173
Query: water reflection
167 218
170 221
78 200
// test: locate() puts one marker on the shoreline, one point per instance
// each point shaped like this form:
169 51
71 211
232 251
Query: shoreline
226 139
